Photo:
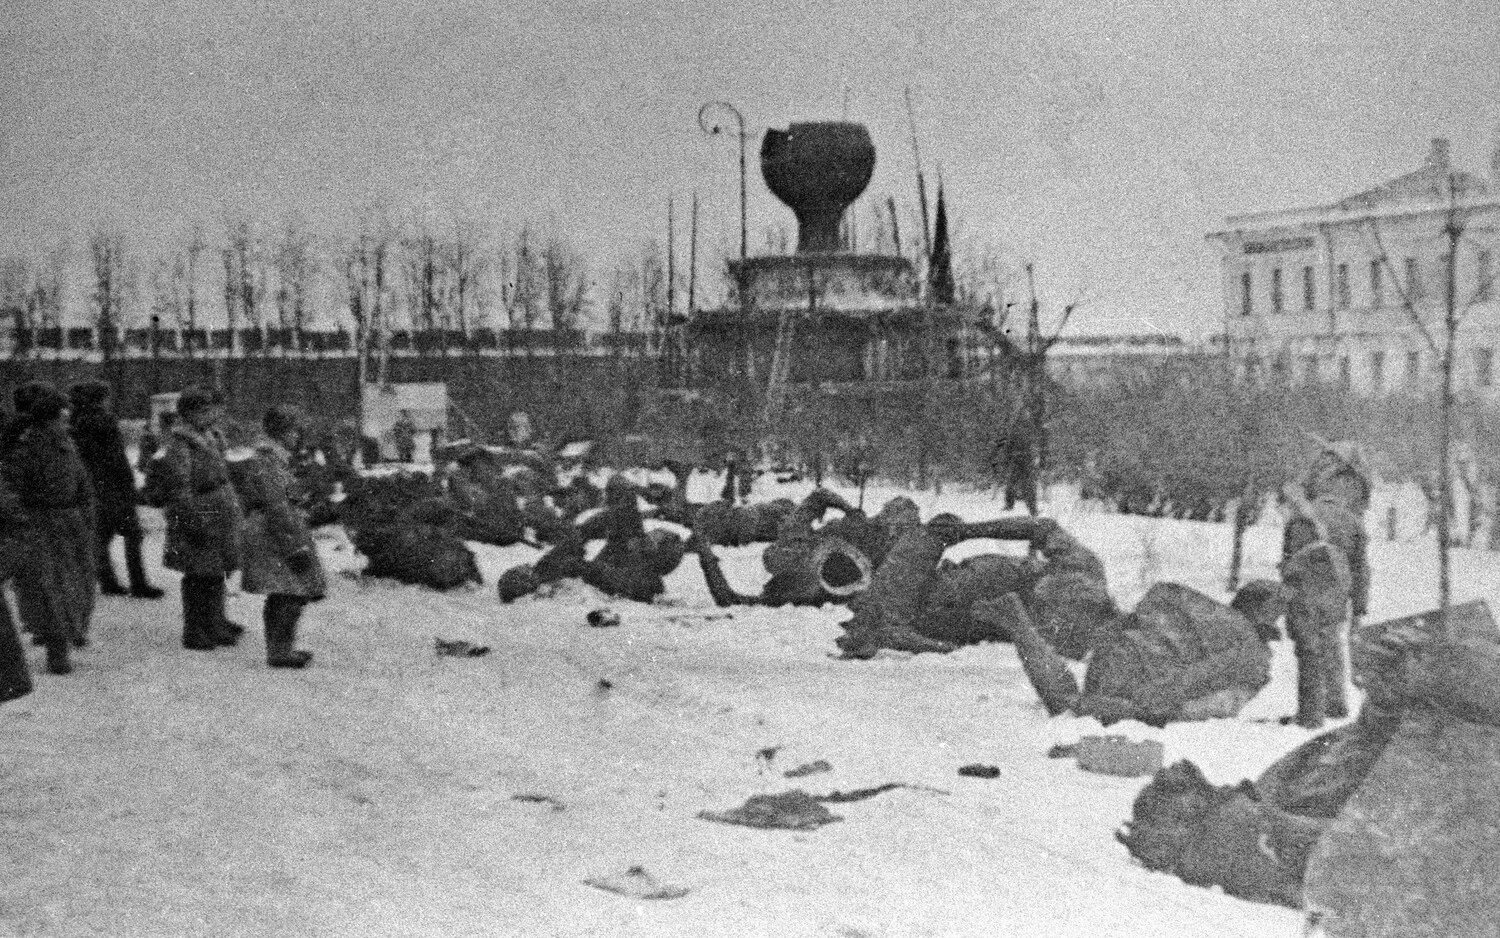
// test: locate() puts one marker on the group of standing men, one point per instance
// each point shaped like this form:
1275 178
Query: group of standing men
67 490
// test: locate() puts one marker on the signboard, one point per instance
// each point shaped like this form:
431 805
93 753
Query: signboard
1278 245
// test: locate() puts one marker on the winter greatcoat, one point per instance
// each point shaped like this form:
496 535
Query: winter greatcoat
276 529
15 678
96 433
55 590
203 514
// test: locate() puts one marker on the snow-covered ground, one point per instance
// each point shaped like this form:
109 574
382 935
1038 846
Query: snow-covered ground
158 791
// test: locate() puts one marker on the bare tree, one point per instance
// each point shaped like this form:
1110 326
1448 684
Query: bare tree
566 279
1453 307
296 266
16 284
464 264
190 267
244 281
364 262
107 252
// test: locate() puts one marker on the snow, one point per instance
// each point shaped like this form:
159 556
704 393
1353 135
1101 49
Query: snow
158 791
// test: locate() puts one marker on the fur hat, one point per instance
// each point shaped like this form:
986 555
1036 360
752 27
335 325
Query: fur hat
39 402
89 393
282 418
193 399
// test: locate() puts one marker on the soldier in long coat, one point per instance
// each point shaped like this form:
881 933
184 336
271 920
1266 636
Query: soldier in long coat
56 595
96 432
281 561
203 519
1326 573
15 677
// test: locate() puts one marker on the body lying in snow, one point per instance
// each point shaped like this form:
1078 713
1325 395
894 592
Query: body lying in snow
1254 839
632 564
810 566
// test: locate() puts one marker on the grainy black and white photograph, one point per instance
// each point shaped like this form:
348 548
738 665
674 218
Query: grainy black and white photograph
847 470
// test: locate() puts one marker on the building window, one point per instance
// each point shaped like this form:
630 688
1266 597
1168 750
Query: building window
1278 366
1341 285
1484 367
1309 289
1484 288
1346 378
1247 298
1277 305
1413 279
1377 287
1413 366
1377 371
1310 369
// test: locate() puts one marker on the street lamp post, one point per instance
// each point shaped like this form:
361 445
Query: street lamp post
714 129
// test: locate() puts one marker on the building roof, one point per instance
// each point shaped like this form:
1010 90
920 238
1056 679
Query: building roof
1426 188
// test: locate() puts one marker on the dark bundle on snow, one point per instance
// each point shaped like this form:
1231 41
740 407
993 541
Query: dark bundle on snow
400 524
420 554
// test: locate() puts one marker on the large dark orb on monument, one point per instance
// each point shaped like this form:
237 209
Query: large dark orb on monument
818 169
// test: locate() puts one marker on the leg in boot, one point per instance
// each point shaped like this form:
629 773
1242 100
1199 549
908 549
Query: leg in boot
1310 681
57 657
135 565
217 626
109 584
281 614
196 614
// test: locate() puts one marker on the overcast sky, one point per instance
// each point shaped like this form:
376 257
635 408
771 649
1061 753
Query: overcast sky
1100 139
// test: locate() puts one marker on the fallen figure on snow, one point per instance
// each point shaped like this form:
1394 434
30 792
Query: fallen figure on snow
400 523
1179 656
633 563
1383 826
812 566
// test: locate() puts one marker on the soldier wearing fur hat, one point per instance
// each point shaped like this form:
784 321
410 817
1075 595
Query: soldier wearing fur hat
56 596
204 519
280 559
96 433
1325 571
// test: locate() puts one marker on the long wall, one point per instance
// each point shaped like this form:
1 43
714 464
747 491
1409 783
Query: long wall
565 394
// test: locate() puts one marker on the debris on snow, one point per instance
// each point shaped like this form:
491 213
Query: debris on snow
603 618
530 798
794 810
459 648
808 768
858 794
636 883
1116 755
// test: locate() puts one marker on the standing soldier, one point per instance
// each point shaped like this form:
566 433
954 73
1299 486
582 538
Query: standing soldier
203 519
281 561
404 436
15 677
55 597
96 433
1325 572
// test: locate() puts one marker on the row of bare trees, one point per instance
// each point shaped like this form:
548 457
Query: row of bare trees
447 282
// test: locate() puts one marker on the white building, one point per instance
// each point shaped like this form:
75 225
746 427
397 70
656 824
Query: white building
1327 293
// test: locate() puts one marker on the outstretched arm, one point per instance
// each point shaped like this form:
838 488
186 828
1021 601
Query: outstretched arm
713 575
1034 530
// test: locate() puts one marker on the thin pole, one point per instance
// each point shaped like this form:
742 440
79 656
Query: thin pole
692 302
911 119
671 263
744 224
